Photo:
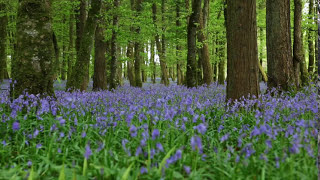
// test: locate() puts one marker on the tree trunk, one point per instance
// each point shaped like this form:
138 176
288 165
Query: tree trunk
33 63
71 45
242 50
310 38
137 50
303 68
280 67
178 46
81 16
161 48
56 55
99 76
79 78
153 63
130 68
206 65
297 41
192 44
64 62
3 42
114 49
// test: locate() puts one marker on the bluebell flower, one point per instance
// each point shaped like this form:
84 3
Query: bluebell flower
88 152
16 126
155 134
143 170
187 169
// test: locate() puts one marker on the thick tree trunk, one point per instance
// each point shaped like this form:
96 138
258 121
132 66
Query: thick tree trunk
280 67
192 44
79 78
161 48
137 50
99 76
242 50
297 41
310 38
3 42
206 65
114 49
33 63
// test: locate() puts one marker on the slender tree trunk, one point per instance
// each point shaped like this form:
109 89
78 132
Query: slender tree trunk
303 68
242 50
137 50
56 55
33 63
153 63
297 42
99 77
3 42
130 68
310 38
81 16
64 62
192 44
71 45
280 67
114 48
161 47
206 65
79 78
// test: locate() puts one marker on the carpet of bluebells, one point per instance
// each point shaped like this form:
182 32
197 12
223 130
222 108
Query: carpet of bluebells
158 132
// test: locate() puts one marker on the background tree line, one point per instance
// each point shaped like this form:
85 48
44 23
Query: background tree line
191 42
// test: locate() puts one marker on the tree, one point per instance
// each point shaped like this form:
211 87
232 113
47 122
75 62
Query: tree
192 44
80 71
32 67
3 37
297 41
310 37
114 60
99 77
207 70
137 50
280 67
242 77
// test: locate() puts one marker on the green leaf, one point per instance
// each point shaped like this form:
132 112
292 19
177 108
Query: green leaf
177 175
164 160
127 172
62 175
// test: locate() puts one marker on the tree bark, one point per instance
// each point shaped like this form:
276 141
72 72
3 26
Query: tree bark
114 49
161 48
33 63
297 41
137 50
242 50
81 16
99 77
280 67
153 63
79 78
310 38
192 44
206 65
56 55
3 42
71 46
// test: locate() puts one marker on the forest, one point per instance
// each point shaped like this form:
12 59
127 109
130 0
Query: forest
159 89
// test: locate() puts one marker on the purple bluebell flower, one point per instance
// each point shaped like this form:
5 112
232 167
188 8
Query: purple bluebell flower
220 128
187 169
29 163
4 143
159 147
88 152
138 151
36 133
196 143
143 170
84 134
59 150
16 126
38 146
224 138
155 134
133 131
201 128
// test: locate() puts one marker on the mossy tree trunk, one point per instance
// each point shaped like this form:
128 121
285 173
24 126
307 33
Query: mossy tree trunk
99 77
79 77
3 40
71 46
310 38
33 64
191 75
114 55
138 50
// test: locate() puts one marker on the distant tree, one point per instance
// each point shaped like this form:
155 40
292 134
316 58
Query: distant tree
138 49
3 42
280 66
80 71
130 52
242 50
310 37
32 67
192 44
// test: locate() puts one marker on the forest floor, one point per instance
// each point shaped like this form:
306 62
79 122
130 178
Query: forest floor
157 131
